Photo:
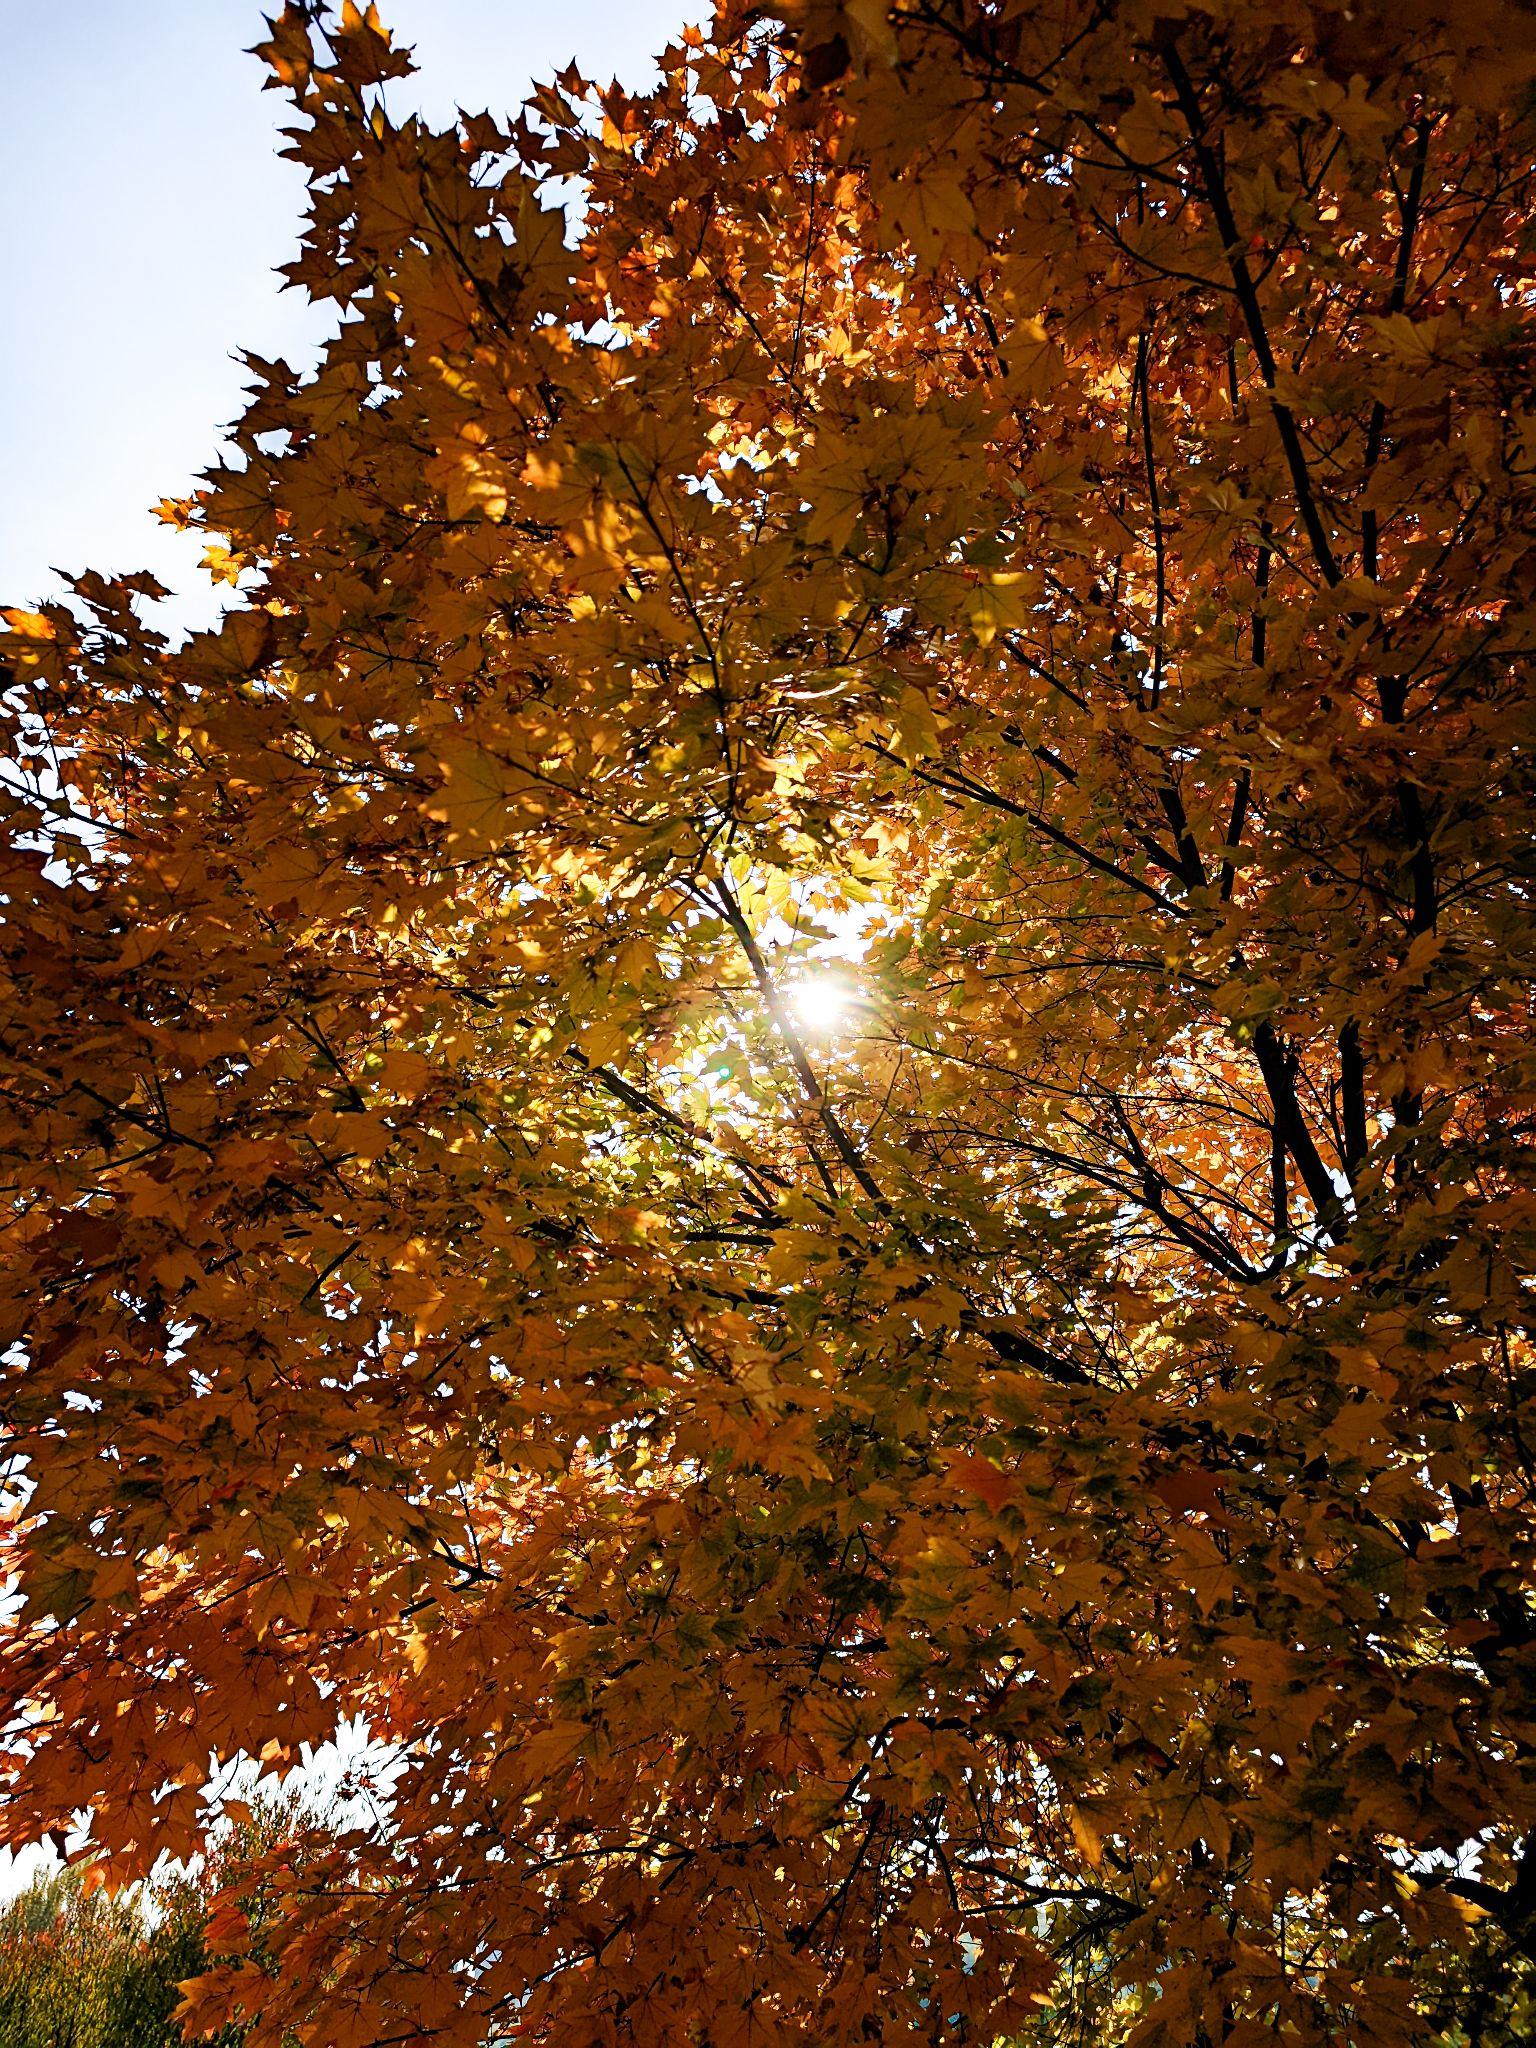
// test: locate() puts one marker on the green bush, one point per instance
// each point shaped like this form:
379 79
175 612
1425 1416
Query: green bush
81 1970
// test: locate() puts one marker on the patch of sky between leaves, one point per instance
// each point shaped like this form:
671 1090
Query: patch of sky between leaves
470 53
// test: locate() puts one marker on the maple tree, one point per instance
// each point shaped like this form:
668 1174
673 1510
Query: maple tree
788 1102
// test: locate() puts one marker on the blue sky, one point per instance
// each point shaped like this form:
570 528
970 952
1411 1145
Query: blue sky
142 210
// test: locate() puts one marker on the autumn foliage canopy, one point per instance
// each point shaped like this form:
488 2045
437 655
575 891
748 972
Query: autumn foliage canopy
788 1104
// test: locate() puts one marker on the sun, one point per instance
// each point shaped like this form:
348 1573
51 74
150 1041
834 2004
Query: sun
822 1003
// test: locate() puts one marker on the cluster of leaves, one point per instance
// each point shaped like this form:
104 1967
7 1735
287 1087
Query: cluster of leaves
1008 1513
